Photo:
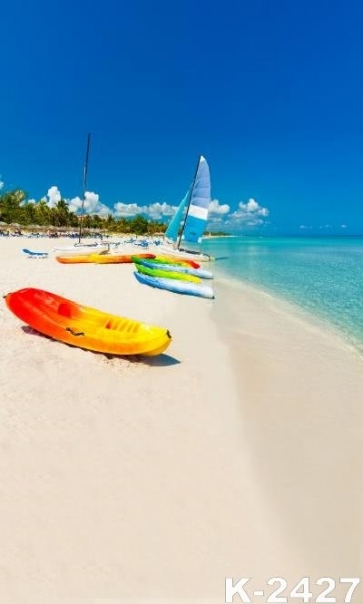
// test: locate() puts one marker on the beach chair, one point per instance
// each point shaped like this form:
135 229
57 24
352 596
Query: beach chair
32 254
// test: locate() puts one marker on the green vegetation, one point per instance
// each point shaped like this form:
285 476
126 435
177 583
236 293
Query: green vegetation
215 234
13 210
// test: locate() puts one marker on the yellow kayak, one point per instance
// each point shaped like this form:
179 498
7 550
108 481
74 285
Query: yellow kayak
86 327
101 258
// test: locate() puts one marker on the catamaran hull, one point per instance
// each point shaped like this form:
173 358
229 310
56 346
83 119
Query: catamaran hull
183 254
85 250
175 286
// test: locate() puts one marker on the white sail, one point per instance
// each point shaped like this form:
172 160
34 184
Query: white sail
200 197
172 231
197 202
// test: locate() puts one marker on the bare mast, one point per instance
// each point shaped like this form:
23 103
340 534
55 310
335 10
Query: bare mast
85 170
188 205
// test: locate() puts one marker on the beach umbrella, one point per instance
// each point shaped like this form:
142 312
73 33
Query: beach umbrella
33 227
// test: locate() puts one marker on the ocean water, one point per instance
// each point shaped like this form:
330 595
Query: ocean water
323 276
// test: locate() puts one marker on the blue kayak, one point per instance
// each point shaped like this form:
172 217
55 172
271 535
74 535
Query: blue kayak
176 286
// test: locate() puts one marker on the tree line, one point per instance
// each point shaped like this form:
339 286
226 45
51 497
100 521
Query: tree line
13 210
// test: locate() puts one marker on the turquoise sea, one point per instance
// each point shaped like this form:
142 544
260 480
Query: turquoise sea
323 276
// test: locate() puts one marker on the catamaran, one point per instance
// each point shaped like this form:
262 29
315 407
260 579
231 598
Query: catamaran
194 206
83 249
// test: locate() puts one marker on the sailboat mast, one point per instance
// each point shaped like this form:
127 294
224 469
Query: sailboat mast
85 170
188 205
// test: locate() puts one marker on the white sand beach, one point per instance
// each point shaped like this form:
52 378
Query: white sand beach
236 453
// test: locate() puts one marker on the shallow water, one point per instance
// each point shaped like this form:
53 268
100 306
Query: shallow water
323 276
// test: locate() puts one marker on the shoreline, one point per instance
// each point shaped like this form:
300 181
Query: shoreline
298 386
307 316
236 453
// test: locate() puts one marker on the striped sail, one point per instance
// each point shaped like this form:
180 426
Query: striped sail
172 231
200 198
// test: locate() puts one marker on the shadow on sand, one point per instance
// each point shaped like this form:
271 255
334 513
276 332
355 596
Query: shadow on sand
161 360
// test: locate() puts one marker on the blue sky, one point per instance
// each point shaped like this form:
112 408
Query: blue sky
269 92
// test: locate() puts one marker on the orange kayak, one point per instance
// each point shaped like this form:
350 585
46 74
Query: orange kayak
101 258
86 327
118 258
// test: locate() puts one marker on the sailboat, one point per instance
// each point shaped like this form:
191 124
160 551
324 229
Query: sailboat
194 206
85 170
82 249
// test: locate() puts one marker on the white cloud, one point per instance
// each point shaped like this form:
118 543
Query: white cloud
252 208
159 211
248 214
92 205
53 195
216 208
75 204
126 210
1 184
216 220
155 211
343 226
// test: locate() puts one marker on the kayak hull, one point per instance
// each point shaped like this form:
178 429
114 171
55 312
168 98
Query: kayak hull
177 261
119 258
166 274
174 268
101 258
85 327
82 250
175 286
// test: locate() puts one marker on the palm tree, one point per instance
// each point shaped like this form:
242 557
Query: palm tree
110 223
10 205
42 212
61 213
29 213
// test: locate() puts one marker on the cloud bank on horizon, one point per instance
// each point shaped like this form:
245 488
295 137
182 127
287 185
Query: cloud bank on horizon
247 215
304 227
